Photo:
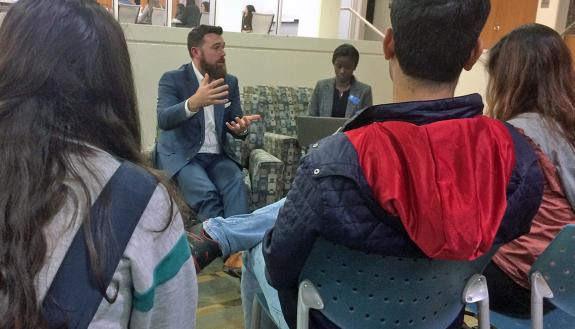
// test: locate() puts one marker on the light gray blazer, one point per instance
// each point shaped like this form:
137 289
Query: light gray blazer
556 148
321 102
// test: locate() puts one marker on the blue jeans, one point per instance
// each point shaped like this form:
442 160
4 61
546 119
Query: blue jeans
213 185
245 232
254 281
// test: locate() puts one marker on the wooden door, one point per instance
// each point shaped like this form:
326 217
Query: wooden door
570 42
505 16
106 3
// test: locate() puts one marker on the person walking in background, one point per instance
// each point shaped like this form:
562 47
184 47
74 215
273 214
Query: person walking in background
342 95
205 8
188 15
145 16
72 171
247 15
540 101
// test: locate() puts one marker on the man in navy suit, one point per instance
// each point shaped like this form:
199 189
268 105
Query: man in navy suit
197 105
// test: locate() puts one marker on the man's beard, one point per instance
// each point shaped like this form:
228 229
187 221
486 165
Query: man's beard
215 71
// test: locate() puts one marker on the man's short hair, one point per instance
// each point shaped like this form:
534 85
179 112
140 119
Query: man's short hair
346 50
434 38
196 35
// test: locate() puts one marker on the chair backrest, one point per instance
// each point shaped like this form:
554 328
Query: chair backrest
361 290
557 265
262 23
128 13
205 19
279 106
159 16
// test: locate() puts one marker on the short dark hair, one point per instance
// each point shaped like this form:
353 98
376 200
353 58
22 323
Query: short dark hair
434 38
196 35
346 50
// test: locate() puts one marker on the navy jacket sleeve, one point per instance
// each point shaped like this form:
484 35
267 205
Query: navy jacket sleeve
287 245
524 191
171 110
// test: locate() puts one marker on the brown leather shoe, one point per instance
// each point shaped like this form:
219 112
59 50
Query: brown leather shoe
233 265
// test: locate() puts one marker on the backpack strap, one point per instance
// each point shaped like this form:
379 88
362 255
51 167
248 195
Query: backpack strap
73 297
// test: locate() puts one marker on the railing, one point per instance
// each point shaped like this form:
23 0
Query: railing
568 29
365 21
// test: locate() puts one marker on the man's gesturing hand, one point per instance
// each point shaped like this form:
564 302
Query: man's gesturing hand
241 125
209 93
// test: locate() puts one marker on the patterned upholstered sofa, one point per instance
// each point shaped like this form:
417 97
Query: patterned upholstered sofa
272 140
263 172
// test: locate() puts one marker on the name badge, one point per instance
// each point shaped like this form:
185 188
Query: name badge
353 99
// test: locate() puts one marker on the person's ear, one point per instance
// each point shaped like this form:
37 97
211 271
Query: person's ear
194 51
476 52
389 44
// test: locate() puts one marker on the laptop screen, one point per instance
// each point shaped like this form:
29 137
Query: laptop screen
310 129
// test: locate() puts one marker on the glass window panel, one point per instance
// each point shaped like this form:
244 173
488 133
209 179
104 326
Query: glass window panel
233 15
291 13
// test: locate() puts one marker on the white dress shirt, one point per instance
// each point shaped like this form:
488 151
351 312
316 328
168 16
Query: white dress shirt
210 144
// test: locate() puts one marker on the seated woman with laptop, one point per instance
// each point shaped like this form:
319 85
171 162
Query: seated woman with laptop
342 95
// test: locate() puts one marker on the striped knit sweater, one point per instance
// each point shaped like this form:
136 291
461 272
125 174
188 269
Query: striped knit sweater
157 281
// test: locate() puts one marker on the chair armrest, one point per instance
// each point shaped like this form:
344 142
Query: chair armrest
539 290
307 298
288 150
475 291
266 172
254 140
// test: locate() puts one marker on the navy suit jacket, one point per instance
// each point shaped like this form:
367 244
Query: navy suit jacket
180 137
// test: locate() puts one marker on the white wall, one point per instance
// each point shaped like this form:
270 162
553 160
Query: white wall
345 20
555 16
329 19
381 20
473 81
229 14
254 59
309 19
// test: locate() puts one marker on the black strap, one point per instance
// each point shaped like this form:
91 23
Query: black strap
73 297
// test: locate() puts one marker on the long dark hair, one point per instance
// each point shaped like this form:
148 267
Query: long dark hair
531 70
247 17
65 82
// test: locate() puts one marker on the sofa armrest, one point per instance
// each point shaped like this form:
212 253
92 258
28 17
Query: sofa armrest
254 140
288 150
266 173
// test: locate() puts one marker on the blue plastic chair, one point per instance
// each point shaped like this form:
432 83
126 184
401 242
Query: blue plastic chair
552 276
354 289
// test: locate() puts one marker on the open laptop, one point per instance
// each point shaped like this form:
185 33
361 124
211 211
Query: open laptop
311 129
